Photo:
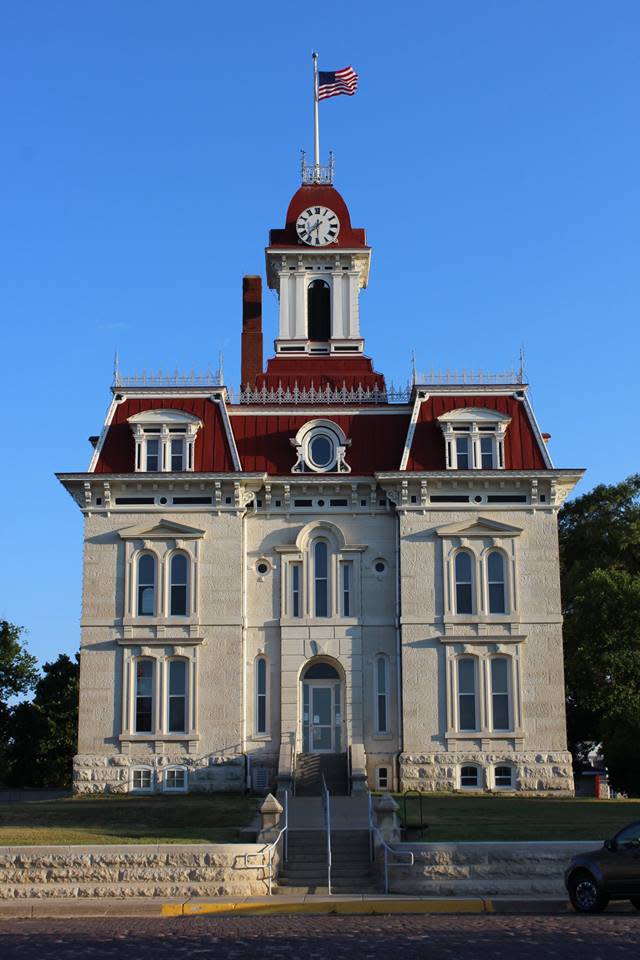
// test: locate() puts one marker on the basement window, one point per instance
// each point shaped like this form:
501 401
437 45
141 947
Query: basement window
142 780
175 780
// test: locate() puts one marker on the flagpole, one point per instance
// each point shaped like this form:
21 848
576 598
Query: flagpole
316 151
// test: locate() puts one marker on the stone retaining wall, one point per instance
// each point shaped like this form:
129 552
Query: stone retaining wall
163 870
485 869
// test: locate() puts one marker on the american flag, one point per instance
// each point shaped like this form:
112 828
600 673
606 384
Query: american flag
331 83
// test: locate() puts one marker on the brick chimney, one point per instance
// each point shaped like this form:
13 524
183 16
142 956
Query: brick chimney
251 359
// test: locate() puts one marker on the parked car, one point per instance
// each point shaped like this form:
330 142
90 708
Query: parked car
611 873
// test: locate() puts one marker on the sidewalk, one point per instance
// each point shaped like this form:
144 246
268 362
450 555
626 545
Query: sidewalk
280 905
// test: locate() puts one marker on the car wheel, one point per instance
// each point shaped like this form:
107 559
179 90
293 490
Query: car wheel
585 895
636 902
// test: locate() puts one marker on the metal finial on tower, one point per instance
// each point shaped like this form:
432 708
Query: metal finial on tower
521 368
116 369
413 368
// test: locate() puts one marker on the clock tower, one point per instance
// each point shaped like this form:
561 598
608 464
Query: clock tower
318 264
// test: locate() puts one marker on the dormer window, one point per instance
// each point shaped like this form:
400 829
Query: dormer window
321 448
474 438
165 440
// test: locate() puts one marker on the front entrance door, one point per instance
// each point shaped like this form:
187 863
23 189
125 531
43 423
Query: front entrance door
321 717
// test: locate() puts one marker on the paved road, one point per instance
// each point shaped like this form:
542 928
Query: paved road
339 938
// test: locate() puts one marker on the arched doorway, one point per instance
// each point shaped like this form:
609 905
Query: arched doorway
319 310
322 705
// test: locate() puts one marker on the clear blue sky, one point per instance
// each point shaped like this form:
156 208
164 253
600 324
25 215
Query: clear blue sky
492 153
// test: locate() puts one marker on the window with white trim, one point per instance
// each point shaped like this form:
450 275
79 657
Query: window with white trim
463 569
500 693
474 438
496 582
178 585
382 778
164 440
177 696
146 577
175 780
467 693
346 587
295 570
321 598
503 777
321 448
382 694
261 696
142 780
144 696
470 777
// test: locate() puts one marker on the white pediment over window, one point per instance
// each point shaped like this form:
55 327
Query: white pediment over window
479 527
165 415
474 415
161 530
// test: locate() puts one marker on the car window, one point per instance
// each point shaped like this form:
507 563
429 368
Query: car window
629 838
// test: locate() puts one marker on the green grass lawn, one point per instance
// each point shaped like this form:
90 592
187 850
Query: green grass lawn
515 818
194 818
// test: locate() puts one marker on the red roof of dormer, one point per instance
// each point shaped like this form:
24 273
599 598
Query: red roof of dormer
317 194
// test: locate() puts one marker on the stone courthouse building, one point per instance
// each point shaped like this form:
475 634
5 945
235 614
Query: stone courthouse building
317 570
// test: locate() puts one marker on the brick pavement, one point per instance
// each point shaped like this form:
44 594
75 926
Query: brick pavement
572 937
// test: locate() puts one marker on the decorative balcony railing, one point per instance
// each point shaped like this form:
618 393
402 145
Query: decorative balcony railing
315 173
208 378
464 377
322 395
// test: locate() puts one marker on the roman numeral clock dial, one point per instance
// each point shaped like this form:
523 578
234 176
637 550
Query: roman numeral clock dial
318 226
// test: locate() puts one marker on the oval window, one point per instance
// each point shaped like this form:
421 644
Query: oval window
321 451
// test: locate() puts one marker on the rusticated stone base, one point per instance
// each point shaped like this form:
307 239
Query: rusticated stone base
164 870
113 774
533 773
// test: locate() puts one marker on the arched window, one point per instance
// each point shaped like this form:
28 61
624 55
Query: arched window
382 695
179 572
146 585
321 578
495 576
319 310
500 705
464 582
177 691
470 776
261 695
144 696
467 712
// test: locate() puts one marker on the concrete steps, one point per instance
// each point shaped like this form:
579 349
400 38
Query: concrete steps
305 870
310 768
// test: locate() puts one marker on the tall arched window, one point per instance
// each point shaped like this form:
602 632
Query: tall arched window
144 697
500 705
177 706
146 585
467 712
464 582
178 574
261 695
382 684
319 310
495 576
321 578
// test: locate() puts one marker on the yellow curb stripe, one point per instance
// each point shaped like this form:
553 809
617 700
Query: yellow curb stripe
344 907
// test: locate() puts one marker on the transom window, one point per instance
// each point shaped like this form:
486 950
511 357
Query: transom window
164 440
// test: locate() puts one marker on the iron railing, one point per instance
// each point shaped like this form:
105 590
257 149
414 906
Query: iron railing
326 802
373 829
284 833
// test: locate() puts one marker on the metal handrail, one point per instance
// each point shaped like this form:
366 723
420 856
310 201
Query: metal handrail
272 846
326 800
387 849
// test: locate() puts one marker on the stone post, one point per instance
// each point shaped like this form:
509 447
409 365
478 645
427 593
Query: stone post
270 814
385 811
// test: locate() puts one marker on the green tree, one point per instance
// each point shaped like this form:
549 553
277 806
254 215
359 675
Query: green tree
44 731
18 675
600 570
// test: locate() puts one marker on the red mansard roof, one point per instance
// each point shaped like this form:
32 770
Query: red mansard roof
316 194
332 371
521 448
377 438
211 448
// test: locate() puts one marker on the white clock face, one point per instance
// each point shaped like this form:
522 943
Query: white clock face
318 226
